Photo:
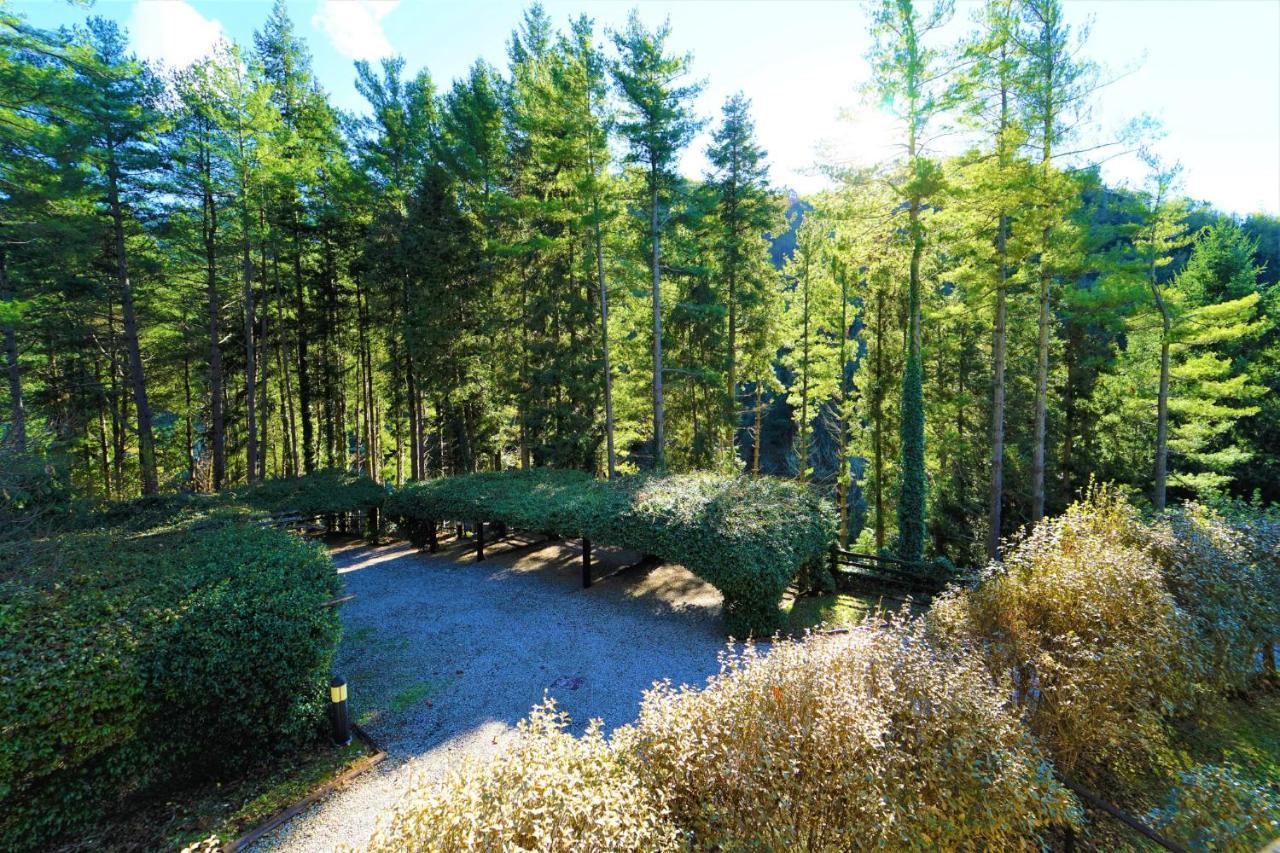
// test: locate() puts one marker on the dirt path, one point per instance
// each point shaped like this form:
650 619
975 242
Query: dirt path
444 656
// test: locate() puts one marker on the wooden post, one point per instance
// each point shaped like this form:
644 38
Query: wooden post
479 541
433 542
586 562
374 525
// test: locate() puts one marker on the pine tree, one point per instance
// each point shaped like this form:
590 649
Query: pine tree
1055 94
121 123
910 76
747 210
657 122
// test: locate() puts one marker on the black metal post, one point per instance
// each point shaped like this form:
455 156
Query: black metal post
433 541
586 562
339 720
479 541
374 524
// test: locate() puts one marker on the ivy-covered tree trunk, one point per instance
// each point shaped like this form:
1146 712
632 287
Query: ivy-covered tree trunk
877 422
911 497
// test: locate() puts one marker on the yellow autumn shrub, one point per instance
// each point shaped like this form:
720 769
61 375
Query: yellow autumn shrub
549 791
870 739
1219 572
1080 626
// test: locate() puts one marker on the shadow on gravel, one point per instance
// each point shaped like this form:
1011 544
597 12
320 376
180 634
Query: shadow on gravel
444 655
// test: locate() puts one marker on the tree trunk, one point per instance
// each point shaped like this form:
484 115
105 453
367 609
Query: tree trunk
1042 390
755 451
217 417
304 384
17 412
415 425
804 377
104 466
1042 351
604 345
264 361
659 437
1161 473
146 437
844 477
997 394
189 433
731 411
250 355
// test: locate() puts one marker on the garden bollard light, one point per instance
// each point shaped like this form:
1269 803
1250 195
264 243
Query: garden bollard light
338 717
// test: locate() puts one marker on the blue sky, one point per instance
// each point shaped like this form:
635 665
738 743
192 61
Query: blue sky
1209 70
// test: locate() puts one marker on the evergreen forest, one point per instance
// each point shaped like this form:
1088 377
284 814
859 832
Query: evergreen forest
211 277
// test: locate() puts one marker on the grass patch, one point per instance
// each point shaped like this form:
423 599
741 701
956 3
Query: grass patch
225 809
1245 733
416 693
832 610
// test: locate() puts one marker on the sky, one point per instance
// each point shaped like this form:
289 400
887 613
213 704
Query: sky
1208 70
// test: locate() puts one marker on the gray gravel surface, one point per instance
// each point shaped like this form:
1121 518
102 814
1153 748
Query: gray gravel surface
445 655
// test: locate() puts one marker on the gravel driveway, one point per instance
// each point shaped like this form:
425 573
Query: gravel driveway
445 655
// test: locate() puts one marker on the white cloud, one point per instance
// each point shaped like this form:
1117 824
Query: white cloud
354 27
172 31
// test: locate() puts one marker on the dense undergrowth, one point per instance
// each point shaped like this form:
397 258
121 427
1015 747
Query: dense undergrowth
1087 654
750 537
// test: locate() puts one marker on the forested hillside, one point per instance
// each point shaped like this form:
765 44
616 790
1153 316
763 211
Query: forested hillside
212 276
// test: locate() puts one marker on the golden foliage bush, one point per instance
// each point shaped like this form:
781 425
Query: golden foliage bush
1218 571
1079 624
866 740
549 791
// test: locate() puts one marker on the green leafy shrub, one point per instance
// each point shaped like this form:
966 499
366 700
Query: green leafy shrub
869 740
132 661
748 536
1213 808
549 791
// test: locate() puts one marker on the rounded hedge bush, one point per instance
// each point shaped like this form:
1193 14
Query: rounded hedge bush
132 661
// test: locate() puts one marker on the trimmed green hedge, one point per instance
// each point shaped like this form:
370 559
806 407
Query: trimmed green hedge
748 536
131 661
